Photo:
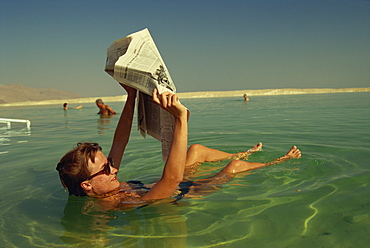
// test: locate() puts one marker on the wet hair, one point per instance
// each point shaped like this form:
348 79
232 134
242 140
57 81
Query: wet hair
65 104
73 169
99 101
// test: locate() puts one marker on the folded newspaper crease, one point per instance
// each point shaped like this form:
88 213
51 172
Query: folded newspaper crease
135 61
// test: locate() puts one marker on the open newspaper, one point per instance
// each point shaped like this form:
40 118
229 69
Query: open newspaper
135 61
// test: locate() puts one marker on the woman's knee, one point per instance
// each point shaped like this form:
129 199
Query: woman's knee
195 148
233 166
234 163
195 153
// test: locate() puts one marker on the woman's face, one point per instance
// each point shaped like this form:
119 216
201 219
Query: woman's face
102 183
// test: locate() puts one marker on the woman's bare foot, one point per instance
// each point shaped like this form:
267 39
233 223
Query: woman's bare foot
294 152
256 148
253 149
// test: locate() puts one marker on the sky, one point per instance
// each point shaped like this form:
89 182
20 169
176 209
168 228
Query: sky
207 45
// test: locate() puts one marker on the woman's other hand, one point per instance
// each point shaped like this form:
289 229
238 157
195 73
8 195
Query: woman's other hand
170 102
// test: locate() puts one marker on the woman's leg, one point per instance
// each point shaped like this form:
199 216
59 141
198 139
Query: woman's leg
212 184
198 154
237 166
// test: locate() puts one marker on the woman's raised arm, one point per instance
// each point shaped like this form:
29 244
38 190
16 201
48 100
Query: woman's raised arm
123 129
173 170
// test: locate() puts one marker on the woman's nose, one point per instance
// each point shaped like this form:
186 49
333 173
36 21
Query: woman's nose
113 170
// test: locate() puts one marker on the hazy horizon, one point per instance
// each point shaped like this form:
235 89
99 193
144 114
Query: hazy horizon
198 94
206 45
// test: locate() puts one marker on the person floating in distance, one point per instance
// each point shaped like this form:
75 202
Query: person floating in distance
86 171
246 99
65 106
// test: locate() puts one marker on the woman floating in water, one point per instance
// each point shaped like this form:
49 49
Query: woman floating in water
85 170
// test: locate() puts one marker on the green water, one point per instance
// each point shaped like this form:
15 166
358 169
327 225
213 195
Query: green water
320 200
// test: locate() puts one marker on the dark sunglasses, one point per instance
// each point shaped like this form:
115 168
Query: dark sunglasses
105 170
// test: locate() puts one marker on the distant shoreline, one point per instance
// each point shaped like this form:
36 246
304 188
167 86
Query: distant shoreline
200 94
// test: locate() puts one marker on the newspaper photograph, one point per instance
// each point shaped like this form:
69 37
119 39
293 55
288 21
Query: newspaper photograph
135 61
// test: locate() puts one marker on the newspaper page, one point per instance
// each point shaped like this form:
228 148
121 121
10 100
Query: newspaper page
135 61
149 116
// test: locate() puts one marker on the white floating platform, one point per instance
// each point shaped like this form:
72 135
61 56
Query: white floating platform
8 122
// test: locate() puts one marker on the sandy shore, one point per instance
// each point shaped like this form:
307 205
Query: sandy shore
201 94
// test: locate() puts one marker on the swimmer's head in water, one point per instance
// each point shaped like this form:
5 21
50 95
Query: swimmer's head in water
73 167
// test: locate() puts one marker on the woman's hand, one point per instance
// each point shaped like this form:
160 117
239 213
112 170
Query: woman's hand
170 102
